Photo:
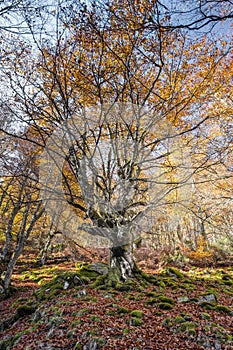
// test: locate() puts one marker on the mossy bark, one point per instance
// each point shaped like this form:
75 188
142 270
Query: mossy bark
122 262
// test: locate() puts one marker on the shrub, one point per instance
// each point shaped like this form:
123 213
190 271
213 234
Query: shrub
202 256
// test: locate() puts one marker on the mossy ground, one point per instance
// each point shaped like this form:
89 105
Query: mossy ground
118 313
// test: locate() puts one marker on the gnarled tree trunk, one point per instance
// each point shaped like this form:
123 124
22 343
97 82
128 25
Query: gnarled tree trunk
122 261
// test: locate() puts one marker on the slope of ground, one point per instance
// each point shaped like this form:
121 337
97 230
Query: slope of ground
179 310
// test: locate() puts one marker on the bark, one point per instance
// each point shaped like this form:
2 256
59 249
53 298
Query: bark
122 261
44 252
22 238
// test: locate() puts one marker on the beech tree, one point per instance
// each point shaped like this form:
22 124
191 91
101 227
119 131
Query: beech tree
117 171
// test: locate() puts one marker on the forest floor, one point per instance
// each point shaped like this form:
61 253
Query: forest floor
192 309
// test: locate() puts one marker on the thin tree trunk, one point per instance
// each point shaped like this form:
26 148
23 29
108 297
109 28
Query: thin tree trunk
44 252
22 238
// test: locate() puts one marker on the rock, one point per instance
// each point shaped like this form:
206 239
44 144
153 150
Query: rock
66 285
183 299
217 345
91 345
81 293
99 267
37 316
50 332
208 297
77 281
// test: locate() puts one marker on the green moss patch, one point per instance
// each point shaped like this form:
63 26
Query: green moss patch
179 319
188 325
165 306
223 309
172 271
25 310
207 306
136 313
134 321
165 299
205 316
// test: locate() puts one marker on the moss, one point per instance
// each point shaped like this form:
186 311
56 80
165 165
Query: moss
194 300
205 316
188 326
126 331
7 343
170 282
122 310
206 305
167 322
165 299
25 310
70 334
151 301
139 296
222 308
228 283
186 316
99 341
158 313
134 321
161 284
83 311
126 286
76 323
191 332
17 302
84 279
95 318
78 346
165 306
226 277
153 294
172 271
100 281
88 272
137 313
179 319
228 291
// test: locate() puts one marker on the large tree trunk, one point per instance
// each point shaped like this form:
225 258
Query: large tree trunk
122 261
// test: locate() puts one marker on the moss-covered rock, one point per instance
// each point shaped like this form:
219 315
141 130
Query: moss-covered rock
188 326
151 301
223 309
136 313
134 321
165 299
167 322
205 316
25 310
121 310
228 282
165 306
172 271
179 319
207 306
